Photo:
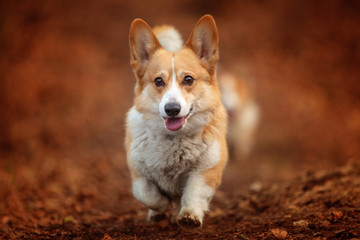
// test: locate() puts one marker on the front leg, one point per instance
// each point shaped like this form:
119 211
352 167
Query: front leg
195 201
147 193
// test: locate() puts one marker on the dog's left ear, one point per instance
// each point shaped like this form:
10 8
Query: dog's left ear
204 42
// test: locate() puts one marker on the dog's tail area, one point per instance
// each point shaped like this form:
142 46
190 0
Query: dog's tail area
169 38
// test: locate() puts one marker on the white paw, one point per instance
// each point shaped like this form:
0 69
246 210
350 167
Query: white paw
188 218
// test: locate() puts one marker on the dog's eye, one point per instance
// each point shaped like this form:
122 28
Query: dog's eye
159 82
188 80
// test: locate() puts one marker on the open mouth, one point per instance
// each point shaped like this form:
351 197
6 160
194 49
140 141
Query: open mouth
176 123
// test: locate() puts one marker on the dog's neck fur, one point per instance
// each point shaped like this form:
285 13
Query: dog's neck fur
168 156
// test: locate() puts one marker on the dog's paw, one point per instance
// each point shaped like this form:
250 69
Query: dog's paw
187 219
154 216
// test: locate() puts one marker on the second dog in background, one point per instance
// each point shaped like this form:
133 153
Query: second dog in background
243 111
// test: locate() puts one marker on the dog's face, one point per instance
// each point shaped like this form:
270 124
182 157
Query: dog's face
175 90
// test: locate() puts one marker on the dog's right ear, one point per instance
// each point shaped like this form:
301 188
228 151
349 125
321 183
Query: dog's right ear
143 42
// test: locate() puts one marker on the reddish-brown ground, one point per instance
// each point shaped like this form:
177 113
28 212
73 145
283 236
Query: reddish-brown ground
66 85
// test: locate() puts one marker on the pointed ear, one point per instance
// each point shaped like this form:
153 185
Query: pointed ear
143 42
204 42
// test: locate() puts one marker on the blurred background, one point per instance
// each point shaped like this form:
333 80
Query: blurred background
66 84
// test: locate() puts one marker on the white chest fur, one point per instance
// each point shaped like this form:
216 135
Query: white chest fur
165 158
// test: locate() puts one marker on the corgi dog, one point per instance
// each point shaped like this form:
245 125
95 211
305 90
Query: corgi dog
243 112
176 130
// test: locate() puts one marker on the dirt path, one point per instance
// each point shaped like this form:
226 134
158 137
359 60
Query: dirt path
66 85
322 204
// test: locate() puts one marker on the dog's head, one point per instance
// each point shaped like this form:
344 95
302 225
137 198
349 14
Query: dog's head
178 90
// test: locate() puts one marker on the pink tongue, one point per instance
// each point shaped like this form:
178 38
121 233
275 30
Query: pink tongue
174 124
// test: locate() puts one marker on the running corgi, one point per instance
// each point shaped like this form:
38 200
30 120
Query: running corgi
243 112
176 130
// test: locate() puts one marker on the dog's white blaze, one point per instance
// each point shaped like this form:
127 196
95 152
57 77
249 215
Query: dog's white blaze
173 70
174 95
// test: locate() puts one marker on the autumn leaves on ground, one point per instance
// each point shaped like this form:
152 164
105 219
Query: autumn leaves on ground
66 85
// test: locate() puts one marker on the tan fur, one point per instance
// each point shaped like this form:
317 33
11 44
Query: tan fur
240 87
242 131
160 29
213 175
197 59
133 174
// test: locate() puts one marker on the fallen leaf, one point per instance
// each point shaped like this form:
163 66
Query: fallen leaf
325 223
68 219
301 223
107 237
262 235
279 233
256 187
337 214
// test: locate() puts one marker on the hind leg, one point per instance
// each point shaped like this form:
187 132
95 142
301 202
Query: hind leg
175 211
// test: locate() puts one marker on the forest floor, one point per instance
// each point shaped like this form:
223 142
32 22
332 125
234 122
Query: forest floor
315 205
67 84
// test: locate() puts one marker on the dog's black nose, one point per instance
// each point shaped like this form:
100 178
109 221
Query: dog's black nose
172 109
